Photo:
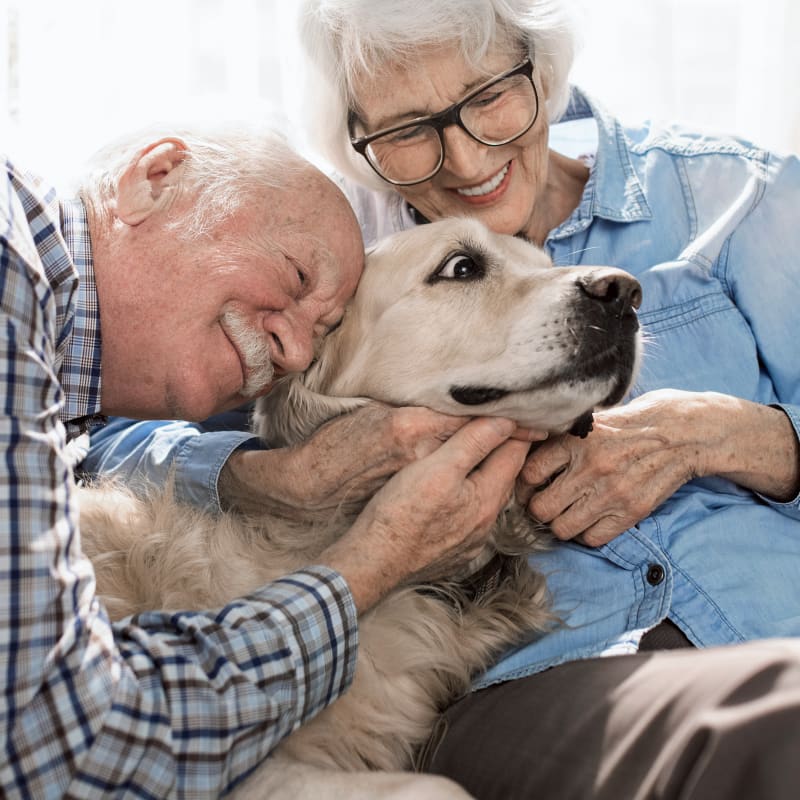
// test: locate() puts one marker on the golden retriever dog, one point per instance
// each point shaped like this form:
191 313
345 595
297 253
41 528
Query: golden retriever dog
449 316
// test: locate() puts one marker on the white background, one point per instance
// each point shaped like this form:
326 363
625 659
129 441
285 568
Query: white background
76 73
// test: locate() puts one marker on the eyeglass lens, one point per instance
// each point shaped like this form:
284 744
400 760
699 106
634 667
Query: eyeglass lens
499 114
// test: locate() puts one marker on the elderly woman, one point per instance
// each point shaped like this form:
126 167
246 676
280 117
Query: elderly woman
679 514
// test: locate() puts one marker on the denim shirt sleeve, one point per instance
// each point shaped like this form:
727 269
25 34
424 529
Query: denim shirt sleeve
149 452
762 271
791 507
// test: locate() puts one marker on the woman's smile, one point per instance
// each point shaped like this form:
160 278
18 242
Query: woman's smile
489 190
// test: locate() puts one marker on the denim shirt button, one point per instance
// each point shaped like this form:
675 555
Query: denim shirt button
655 574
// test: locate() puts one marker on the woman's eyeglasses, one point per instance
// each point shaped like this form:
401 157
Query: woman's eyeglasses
496 113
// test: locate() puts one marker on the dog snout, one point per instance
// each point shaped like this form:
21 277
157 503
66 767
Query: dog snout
620 292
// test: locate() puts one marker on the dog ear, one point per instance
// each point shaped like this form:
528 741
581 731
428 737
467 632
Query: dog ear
291 412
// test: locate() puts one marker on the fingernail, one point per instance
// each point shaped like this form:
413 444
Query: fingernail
530 434
504 426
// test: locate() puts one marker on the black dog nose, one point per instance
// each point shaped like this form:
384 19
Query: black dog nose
619 291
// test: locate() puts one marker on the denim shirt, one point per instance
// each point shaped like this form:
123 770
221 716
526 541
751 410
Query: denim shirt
711 228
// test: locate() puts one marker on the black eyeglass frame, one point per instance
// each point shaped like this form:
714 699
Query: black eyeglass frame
442 120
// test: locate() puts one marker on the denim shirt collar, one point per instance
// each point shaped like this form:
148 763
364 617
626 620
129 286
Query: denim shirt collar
613 191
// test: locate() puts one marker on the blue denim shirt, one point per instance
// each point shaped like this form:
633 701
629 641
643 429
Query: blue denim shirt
711 228
149 452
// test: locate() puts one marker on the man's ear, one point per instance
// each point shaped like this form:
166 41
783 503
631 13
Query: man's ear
147 185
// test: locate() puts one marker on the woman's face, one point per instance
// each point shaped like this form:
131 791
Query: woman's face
503 186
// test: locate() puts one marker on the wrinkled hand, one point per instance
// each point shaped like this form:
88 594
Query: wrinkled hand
433 516
635 457
342 465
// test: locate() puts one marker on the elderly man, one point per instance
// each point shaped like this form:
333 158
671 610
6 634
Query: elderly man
190 272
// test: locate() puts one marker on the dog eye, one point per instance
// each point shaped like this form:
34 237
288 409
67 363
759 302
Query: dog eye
460 267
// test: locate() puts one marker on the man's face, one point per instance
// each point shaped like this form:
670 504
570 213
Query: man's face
273 278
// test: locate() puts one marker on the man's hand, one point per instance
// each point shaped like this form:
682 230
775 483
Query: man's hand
434 516
342 465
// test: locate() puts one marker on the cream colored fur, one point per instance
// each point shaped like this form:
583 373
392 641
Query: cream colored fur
420 324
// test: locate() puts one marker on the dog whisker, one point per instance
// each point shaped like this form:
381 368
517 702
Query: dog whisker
573 253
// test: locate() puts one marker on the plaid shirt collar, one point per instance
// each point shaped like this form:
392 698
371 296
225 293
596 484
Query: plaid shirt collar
80 346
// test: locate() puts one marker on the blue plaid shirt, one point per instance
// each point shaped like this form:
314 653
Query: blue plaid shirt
161 704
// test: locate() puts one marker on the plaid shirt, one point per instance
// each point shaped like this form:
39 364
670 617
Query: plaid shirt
161 704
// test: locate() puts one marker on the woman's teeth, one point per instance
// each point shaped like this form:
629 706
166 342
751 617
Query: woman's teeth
486 186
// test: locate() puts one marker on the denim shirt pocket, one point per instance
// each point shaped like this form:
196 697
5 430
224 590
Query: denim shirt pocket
695 338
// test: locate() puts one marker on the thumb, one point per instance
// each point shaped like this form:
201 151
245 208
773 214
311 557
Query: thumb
473 442
495 476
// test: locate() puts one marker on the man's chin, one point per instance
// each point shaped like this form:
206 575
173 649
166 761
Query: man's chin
259 391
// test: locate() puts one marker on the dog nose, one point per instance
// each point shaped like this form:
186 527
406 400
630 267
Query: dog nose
615 288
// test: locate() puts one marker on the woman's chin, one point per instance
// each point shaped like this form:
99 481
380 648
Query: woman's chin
499 219
500 216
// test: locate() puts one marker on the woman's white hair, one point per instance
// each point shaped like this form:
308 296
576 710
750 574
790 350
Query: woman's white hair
223 170
348 39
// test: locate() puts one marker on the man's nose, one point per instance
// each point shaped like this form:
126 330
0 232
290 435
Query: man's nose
291 335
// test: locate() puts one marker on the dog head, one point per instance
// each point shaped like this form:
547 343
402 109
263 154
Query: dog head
469 322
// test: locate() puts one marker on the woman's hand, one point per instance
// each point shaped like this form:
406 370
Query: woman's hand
342 465
638 455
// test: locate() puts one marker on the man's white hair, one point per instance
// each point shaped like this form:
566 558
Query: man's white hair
347 39
224 169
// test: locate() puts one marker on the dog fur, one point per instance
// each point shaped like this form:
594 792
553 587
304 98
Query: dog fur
449 316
